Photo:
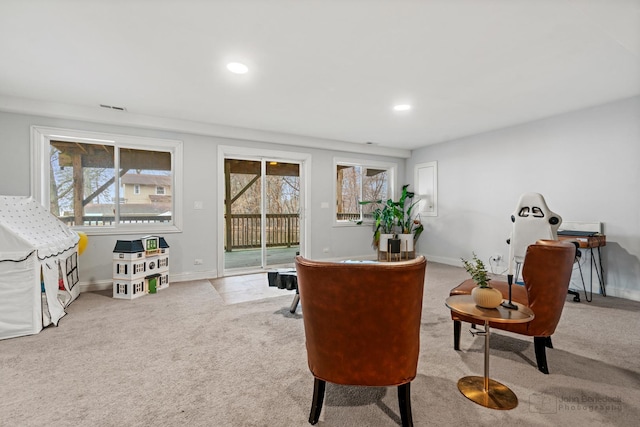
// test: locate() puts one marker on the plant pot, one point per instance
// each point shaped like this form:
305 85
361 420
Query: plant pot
384 239
486 297
406 244
394 246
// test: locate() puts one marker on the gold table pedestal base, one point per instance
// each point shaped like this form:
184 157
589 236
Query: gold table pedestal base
499 396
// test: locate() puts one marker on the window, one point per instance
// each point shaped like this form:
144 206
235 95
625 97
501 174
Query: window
361 181
84 177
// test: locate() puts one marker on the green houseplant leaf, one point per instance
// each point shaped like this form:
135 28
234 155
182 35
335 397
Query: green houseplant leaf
390 216
477 270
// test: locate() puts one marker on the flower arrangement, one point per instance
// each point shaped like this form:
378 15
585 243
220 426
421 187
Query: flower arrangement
477 270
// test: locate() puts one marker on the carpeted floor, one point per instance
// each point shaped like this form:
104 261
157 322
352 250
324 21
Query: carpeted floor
183 357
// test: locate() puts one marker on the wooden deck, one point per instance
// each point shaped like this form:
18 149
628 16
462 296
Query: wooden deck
250 258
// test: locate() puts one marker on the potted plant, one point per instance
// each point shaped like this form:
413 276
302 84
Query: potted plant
395 219
411 227
383 222
483 294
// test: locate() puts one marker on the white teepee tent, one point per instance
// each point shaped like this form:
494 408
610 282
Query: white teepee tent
38 267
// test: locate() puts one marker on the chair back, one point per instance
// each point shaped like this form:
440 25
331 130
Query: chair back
362 320
532 221
547 273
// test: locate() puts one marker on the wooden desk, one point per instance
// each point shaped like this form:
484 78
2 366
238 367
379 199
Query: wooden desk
483 390
585 242
590 243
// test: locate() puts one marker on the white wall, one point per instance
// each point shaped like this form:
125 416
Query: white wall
200 183
585 163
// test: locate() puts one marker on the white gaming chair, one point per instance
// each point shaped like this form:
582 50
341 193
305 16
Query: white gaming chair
532 221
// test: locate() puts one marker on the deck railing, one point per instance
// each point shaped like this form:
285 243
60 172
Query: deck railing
281 230
106 221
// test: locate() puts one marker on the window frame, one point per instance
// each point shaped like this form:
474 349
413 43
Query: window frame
390 167
40 168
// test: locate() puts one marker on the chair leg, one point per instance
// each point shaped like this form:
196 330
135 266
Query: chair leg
457 326
540 344
576 295
404 401
548 343
318 398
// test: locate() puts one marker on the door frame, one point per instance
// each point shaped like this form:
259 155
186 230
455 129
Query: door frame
259 154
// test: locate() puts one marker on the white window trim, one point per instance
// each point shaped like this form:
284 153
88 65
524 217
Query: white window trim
136 189
40 141
393 175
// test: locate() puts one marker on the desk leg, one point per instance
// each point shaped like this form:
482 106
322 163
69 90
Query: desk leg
601 274
597 265
294 303
483 390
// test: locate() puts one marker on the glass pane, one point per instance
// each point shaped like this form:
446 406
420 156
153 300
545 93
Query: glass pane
283 212
374 187
146 181
82 188
242 232
348 185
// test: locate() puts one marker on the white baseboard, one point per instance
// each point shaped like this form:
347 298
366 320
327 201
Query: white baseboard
96 286
105 285
444 260
196 275
630 294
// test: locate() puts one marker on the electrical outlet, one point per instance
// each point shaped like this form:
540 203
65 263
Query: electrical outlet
496 258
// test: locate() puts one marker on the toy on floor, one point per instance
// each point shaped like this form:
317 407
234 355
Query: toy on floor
140 267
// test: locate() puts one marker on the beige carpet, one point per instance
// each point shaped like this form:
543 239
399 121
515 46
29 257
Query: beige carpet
183 357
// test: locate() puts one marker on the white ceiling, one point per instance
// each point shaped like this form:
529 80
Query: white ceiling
329 70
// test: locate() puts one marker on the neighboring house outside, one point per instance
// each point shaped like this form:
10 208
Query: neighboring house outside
142 188
143 198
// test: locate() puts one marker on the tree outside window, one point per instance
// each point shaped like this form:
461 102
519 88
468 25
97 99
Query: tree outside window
102 184
356 182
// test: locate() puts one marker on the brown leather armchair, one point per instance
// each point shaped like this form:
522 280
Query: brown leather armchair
362 325
546 274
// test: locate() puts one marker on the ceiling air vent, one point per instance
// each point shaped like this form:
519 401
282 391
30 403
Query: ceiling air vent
112 107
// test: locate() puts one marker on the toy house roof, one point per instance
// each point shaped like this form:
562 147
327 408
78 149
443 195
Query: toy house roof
128 246
26 226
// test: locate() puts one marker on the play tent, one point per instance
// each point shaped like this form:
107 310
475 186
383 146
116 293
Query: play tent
38 267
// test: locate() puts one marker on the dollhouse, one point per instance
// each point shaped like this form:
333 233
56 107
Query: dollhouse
140 267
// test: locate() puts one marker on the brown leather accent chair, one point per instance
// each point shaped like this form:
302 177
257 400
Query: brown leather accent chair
546 274
362 325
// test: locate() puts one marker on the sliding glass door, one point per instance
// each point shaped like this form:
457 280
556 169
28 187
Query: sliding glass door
261 213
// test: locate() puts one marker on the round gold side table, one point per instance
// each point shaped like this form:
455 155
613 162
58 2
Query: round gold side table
483 390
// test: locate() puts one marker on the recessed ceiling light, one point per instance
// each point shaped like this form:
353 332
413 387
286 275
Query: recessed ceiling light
237 68
402 107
